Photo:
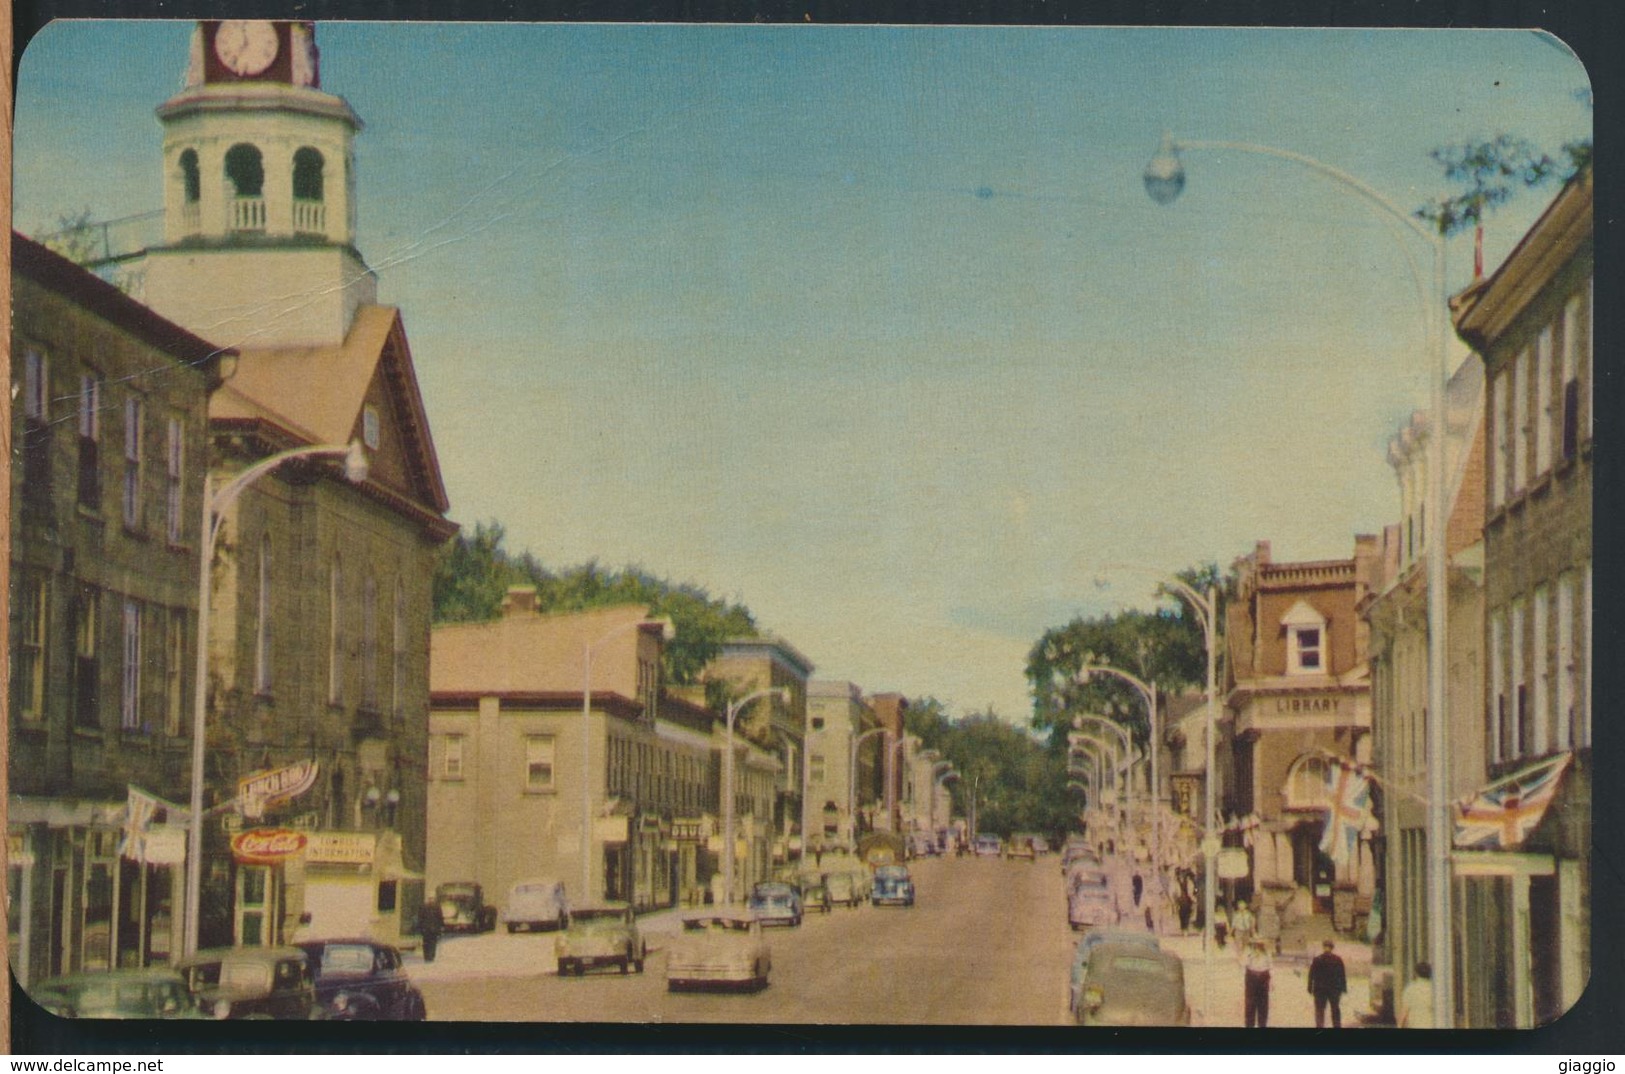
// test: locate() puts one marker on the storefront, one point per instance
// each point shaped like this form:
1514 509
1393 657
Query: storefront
355 884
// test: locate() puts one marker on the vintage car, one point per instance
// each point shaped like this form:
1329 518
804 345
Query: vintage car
775 903
814 894
252 982
1086 873
463 907
921 845
1071 855
1021 846
893 886
602 935
988 846
1086 946
359 980
1128 985
842 888
535 904
150 993
719 949
1091 906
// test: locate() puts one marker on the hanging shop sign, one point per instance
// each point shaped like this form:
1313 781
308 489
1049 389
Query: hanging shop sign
261 790
1232 863
266 846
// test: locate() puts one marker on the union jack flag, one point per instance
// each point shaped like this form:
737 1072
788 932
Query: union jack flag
1501 816
1349 813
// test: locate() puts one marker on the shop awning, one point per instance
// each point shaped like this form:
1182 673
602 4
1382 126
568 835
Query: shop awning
1502 815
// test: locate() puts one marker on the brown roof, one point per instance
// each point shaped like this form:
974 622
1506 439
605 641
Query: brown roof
315 394
524 652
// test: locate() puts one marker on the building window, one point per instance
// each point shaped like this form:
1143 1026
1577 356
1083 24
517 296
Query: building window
1520 422
1305 630
31 632
307 174
369 426
816 764
1500 741
1306 643
262 620
130 695
817 723
1543 401
90 434
397 682
1500 463
133 415
1567 666
36 429
335 634
1541 738
174 688
86 665
174 459
1520 684
191 179
369 642
538 762
451 766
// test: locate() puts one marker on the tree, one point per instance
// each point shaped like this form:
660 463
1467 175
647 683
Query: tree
473 573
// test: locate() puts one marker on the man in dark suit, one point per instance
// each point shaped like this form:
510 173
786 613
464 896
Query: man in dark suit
1327 983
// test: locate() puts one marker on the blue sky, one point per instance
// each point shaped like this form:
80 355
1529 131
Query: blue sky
875 329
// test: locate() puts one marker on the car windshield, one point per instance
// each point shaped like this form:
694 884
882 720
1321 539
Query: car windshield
597 914
891 872
245 976
717 924
1140 965
346 958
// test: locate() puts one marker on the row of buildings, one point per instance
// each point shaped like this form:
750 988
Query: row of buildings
1326 671
181 434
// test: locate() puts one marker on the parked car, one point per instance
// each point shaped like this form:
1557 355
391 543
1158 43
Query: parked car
988 846
252 982
463 907
602 935
1086 946
150 993
842 888
1073 854
1021 846
1128 985
893 886
359 980
1091 906
814 894
921 845
775 903
1086 874
719 949
535 904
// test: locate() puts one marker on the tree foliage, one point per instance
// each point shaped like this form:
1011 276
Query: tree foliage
474 571
1019 784
1165 647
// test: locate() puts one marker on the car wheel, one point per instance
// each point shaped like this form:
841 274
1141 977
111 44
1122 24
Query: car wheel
795 922
564 967
513 927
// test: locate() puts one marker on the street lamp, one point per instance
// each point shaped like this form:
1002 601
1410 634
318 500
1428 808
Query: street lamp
1164 179
734 708
668 630
852 776
215 505
1147 691
936 790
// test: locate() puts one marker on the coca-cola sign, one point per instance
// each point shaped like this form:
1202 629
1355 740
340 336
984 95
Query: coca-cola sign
266 846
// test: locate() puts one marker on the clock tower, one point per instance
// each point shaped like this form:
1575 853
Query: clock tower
259 194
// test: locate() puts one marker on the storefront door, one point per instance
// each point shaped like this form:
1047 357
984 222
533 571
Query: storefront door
257 907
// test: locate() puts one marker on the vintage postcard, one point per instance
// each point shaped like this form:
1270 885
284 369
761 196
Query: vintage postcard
901 525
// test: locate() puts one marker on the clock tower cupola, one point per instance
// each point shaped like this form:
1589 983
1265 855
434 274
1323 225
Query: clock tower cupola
259 193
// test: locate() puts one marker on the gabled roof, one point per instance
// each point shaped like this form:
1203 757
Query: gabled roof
315 394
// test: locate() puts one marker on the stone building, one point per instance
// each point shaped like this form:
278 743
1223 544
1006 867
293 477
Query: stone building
1397 612
842 760
1521 861
108 421
319 621
1298 698
891 710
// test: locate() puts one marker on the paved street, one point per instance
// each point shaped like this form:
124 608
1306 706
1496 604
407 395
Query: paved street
986 943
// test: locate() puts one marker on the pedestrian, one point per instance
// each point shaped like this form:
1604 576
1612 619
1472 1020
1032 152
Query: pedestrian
1256 1000
430 926
1185 904
1138 884
1221 923
1328 980
1416 1002
1242 924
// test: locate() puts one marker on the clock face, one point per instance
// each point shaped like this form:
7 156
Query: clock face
246 46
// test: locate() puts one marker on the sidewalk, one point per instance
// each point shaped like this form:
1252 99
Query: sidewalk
1219 1002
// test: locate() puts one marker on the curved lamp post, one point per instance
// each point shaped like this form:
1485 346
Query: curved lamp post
936 787
667 632
852 776
215 504
1148 692
1164 178
734 709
